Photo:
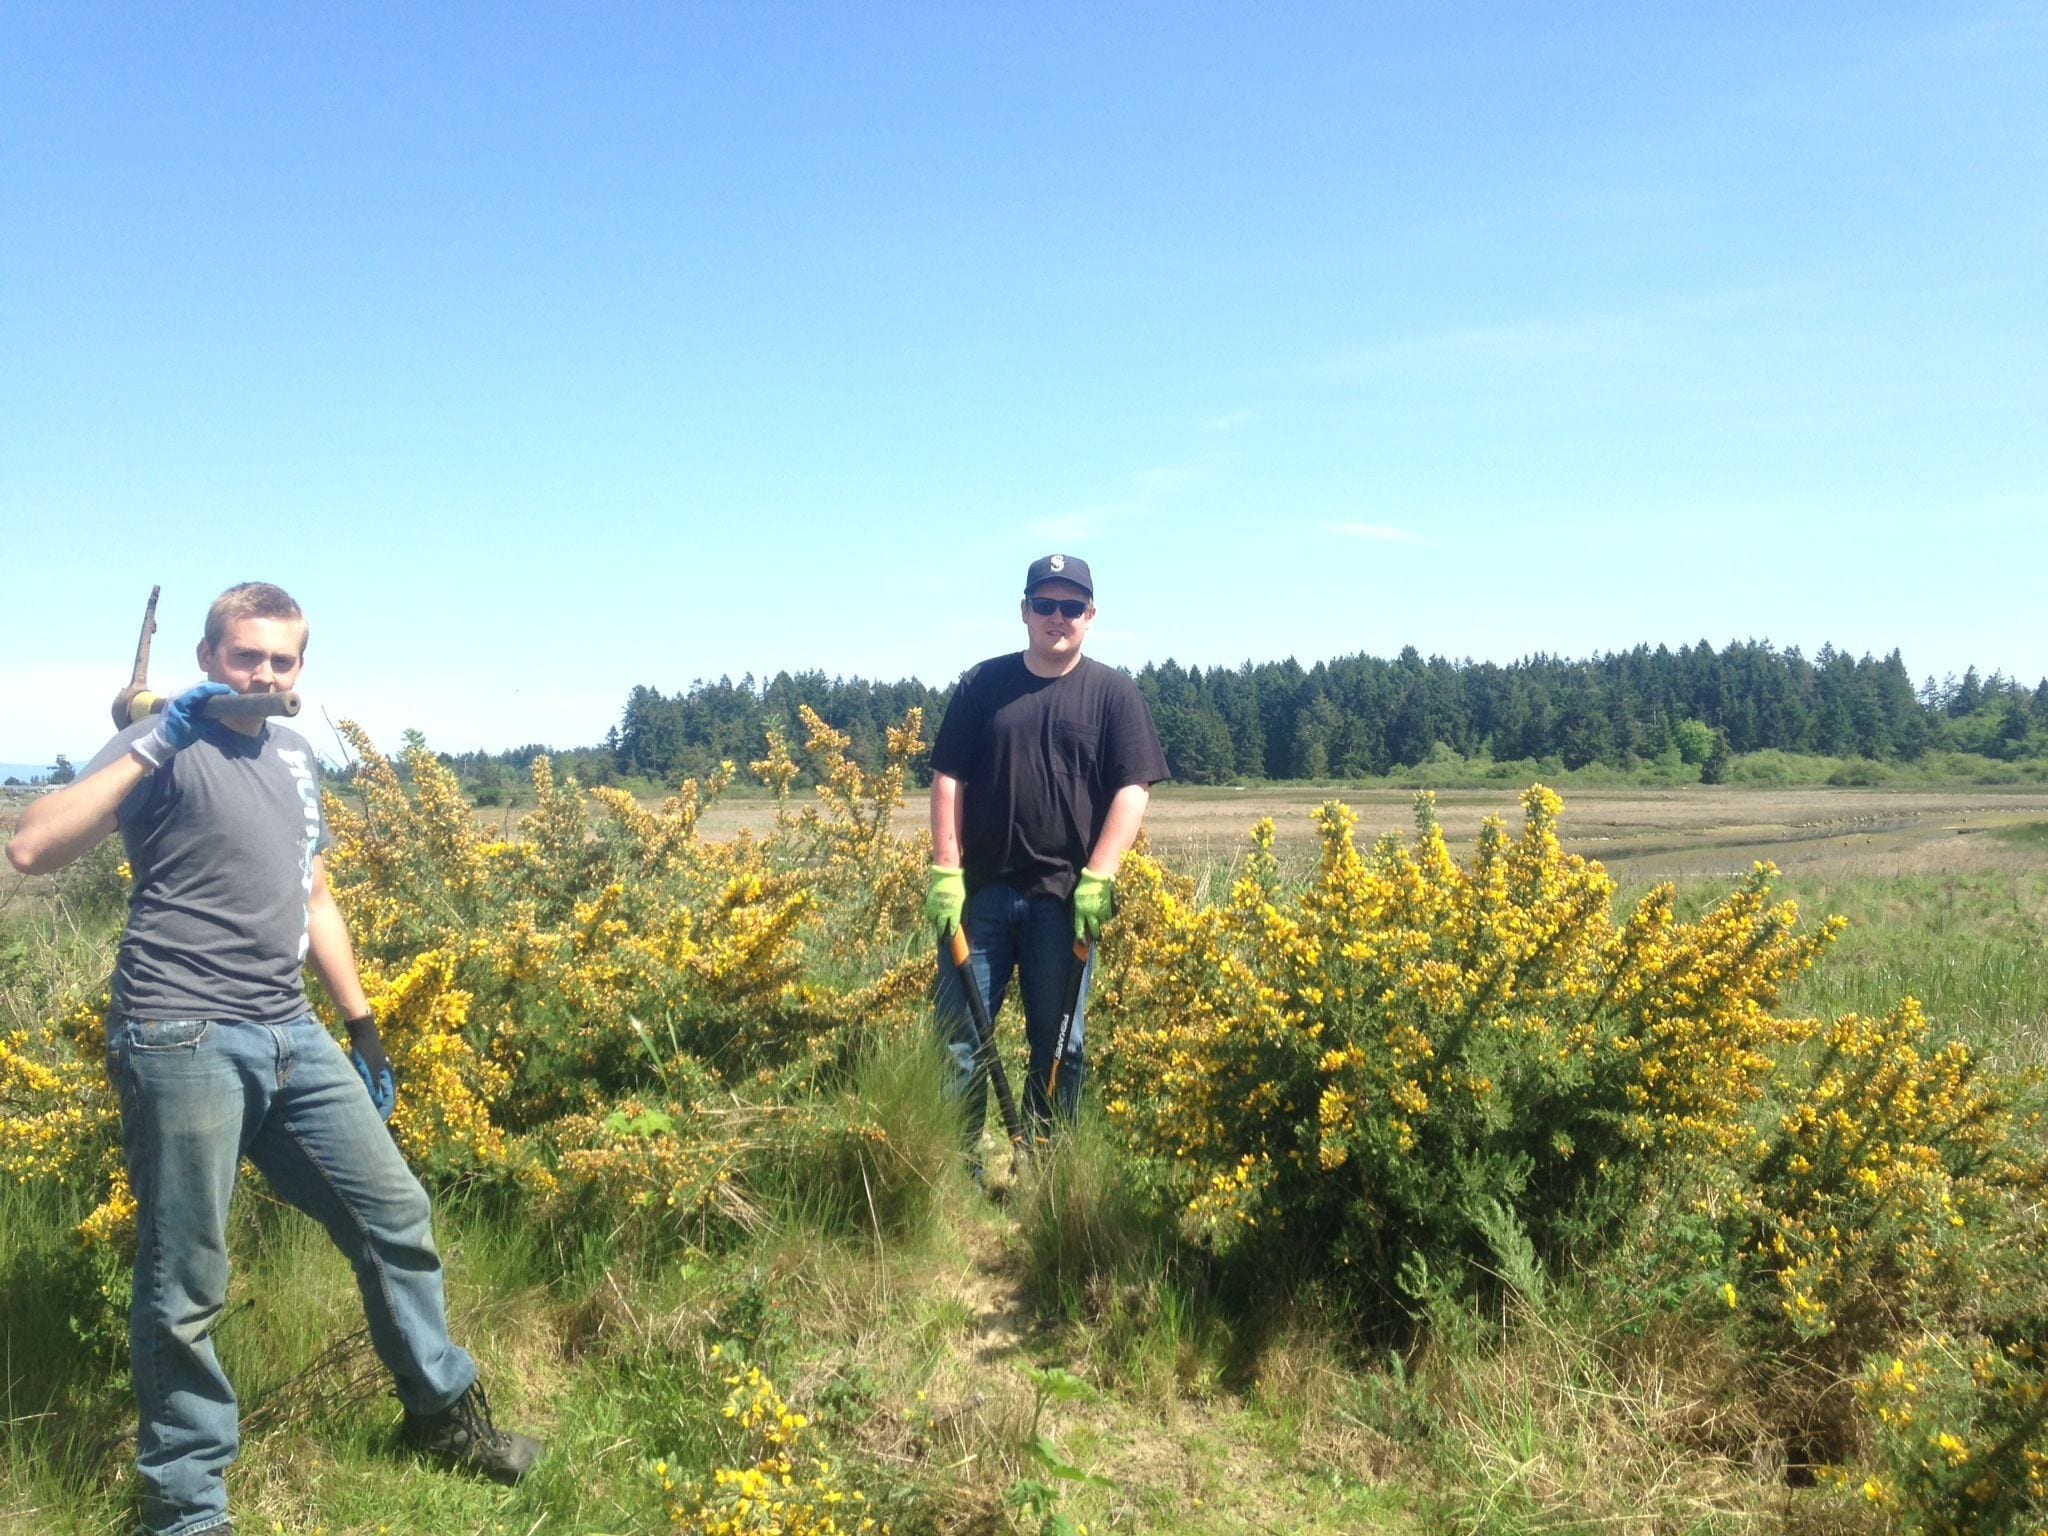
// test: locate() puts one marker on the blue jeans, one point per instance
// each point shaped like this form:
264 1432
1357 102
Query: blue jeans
196 1098
1034 937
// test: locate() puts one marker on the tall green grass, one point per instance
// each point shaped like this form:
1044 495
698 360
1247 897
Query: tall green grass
601 1350
1973 948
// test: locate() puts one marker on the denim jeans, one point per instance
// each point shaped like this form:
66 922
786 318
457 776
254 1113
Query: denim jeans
197 1097
1034 937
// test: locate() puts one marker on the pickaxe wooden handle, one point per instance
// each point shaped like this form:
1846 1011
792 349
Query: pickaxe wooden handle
124 713
225 706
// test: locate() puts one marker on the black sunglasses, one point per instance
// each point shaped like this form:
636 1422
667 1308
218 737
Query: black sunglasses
1065 607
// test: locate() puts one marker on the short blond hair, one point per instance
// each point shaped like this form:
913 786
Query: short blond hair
252 600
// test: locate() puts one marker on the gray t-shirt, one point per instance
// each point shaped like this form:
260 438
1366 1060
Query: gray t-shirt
221 841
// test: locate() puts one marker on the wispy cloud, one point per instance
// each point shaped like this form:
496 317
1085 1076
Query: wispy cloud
1230 421
1521 345
1549 342
1378 533
1143 495
1171 477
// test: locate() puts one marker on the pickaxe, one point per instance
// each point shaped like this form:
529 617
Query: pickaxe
135 701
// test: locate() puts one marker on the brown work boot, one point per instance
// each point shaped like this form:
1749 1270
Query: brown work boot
462 1437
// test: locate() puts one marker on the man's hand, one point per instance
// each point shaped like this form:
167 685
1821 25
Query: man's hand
177 726
944 900
366 1051
1094 904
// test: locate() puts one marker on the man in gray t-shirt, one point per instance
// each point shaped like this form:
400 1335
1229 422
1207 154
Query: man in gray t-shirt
223 841
216 1057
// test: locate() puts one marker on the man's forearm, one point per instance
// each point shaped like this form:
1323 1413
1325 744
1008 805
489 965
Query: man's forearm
334 957
1120 828
945 821
58 827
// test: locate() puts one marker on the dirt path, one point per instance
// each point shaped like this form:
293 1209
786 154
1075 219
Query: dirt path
1168 1458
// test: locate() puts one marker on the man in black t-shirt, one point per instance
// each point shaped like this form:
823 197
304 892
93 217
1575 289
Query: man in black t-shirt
1040 777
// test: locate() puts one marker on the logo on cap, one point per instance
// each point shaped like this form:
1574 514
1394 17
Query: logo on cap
1058 562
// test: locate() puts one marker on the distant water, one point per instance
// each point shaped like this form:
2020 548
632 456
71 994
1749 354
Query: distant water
22 771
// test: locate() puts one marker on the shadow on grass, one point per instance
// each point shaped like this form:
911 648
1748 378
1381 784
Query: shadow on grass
1103 1253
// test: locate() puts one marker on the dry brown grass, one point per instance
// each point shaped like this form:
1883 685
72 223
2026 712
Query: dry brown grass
1697 831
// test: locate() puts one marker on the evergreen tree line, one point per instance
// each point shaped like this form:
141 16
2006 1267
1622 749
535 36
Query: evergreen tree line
1365 715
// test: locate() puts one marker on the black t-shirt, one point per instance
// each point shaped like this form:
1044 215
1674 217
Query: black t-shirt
1040 759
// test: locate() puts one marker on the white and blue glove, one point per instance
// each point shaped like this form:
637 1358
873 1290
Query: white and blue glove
366 1052
177 725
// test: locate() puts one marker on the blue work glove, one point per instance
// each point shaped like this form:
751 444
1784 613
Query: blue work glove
177 724
366 1051
1094 904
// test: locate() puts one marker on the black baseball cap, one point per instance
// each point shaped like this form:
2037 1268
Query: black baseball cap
1068 568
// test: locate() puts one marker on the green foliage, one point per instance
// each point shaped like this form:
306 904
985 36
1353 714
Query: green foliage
63 1306
1961 1425
1714 766
1034 1498
1695 740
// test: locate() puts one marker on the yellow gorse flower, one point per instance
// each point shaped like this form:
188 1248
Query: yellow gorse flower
776 1483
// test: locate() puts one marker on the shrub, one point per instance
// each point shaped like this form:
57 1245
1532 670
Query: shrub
777 1482
563 1009
1402 1065
537 989
1962 1431
1891 1163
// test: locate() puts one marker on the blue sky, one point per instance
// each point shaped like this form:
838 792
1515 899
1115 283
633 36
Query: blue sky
547 350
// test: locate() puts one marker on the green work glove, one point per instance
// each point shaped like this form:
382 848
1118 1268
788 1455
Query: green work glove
944 899
1094 904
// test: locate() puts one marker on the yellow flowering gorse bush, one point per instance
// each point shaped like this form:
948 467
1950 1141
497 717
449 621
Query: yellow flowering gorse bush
1962 1428
1887 1167
608 1008
1413 1073
776 1483
59 1120
611 1007
1371 1064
